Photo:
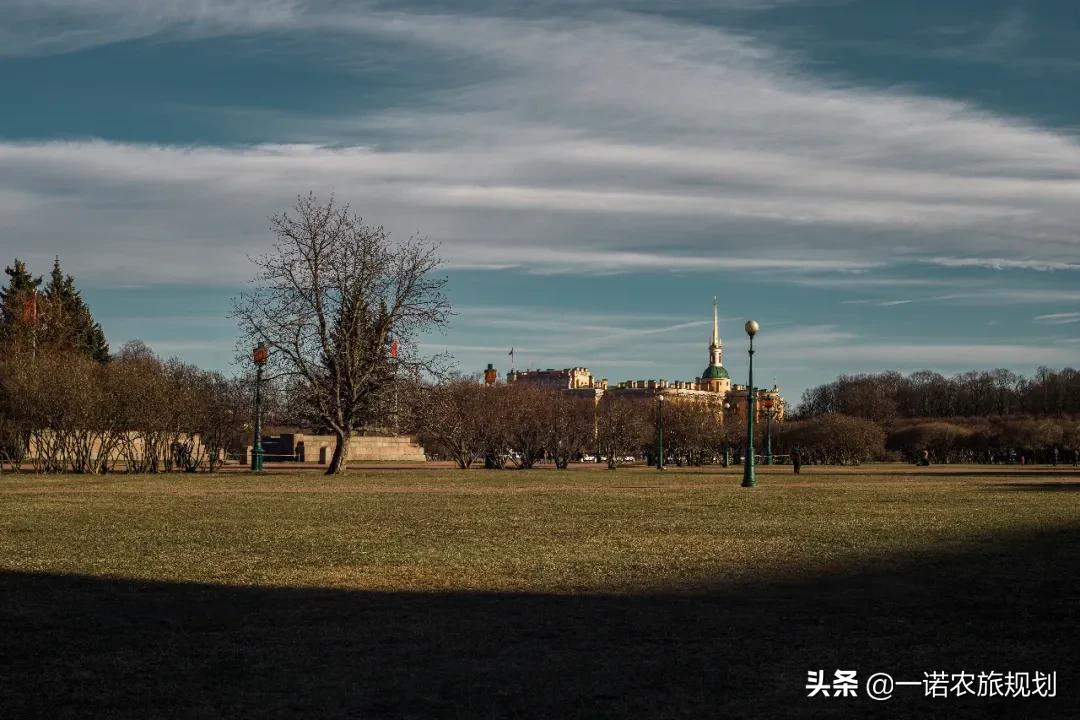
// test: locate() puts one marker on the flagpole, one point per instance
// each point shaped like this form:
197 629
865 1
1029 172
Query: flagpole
30 312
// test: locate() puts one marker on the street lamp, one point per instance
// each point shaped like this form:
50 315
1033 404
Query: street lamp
660 432
260 355
748 479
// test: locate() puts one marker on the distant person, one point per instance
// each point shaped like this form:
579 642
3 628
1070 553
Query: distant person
925 461
1055 457
1076 458
1021 459
796 460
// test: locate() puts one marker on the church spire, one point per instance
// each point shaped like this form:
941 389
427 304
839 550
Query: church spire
715 375
715 326
715 353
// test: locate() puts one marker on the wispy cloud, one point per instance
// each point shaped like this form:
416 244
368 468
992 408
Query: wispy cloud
877 303
1064 318
1009 296
46 27
996 263
952 355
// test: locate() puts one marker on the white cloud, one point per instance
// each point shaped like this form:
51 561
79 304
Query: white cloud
604 142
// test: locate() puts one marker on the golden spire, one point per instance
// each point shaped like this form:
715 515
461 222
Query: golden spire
715 326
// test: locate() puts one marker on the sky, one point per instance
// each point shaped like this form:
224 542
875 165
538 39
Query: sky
881 184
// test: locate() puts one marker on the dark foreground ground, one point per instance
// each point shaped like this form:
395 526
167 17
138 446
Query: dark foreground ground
533 595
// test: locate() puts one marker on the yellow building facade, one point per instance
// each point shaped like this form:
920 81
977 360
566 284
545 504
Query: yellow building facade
713 386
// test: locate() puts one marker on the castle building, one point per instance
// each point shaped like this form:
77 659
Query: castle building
714 386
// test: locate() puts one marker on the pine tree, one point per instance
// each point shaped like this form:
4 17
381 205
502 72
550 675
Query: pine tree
20 284
18 307
68 321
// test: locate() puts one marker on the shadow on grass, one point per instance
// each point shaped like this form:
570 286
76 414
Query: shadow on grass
73 646
1044 486
936 471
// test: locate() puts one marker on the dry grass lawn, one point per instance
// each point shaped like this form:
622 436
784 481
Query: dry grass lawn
584 593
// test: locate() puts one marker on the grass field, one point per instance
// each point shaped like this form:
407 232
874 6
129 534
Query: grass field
585 593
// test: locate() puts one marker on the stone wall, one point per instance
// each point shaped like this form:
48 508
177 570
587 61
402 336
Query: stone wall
320 448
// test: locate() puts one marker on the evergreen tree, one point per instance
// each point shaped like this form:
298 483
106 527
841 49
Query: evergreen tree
68 322
18 307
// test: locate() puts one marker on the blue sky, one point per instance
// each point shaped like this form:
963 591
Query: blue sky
881 184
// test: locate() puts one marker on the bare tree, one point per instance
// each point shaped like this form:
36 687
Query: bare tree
141 397
331 300
219 408
569 423
451 419
493 425
14 429
693 433
526 425
622 426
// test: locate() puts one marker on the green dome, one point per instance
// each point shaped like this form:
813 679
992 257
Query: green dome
714 372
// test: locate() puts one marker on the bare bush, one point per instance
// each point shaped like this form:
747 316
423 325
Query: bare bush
833 439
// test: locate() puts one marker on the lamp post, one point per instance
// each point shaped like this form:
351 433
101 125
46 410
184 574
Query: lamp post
260 356
769 412
748 479
660 432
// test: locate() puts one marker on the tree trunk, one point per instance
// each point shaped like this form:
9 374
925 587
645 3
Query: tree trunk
340 458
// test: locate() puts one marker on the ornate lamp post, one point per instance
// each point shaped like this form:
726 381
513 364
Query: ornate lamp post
260 355
660 432
748 479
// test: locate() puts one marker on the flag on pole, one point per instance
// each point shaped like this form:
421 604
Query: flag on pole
30 309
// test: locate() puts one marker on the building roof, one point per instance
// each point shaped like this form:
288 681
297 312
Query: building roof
714 372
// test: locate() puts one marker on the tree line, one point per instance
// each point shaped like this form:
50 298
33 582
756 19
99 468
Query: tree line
68 404
520 425
980 416
890 396
68 412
